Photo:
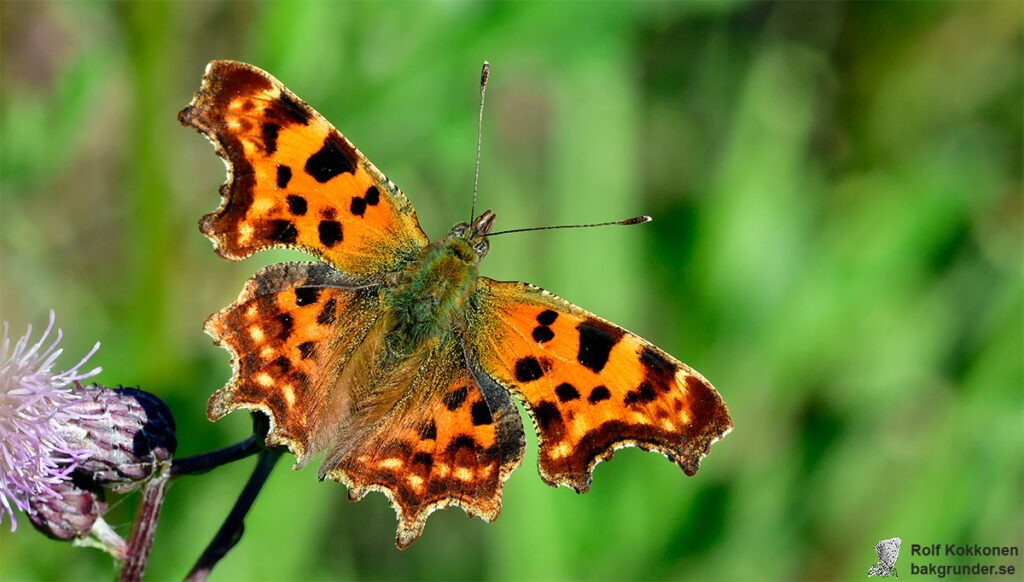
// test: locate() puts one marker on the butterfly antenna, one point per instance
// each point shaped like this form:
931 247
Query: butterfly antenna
634 220
484 74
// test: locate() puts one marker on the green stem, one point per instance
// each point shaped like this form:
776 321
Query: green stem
103 537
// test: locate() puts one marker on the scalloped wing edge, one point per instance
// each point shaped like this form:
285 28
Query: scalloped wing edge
221 402
606 454
191 116
410 528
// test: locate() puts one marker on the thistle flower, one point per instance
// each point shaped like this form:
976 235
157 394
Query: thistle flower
130 436
35 457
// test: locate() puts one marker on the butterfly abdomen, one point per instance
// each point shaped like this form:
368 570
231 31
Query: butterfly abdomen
431 293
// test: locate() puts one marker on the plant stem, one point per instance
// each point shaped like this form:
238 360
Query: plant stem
231 531
198 464
105 538
141 541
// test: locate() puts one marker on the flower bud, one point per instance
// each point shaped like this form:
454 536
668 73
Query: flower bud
69 513
34 398
129 432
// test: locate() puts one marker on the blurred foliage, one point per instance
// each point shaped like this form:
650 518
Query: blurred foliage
837 245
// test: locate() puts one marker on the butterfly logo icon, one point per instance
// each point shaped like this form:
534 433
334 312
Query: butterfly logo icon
888 551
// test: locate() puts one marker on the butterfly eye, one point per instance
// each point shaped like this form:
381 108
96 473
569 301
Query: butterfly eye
481 247
459 230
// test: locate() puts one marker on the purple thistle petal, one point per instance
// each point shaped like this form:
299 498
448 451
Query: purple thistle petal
35 458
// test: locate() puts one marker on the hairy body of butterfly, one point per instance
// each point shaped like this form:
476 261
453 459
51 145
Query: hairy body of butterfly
391 356
429 299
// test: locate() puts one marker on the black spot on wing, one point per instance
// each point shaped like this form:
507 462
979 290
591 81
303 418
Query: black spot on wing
643 394
542 333
547 317
547 414
282 231
306 295
306 349
658 370
269 132
426 460
597 339
329 161
358 206
326 316
297 205
372 196
428 431
284 175
291 109
454 399
282 365
481 414
598 394
528 369
566 392
330 232
286 321
462 442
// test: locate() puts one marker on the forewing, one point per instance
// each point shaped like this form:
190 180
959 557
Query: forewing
290 333
453 440
294 181
590 386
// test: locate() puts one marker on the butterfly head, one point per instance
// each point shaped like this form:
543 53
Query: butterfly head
474 234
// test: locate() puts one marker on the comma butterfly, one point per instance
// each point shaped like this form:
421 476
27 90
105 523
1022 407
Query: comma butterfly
391 355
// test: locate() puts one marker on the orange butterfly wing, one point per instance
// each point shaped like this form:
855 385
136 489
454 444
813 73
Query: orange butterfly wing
590 386
294 180
452 440
290 333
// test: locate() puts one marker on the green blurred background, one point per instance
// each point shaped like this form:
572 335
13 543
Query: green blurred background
837 246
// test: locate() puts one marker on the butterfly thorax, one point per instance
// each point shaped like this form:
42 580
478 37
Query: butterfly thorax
432 291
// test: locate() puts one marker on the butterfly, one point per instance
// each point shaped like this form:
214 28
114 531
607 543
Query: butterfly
888 551
390 355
